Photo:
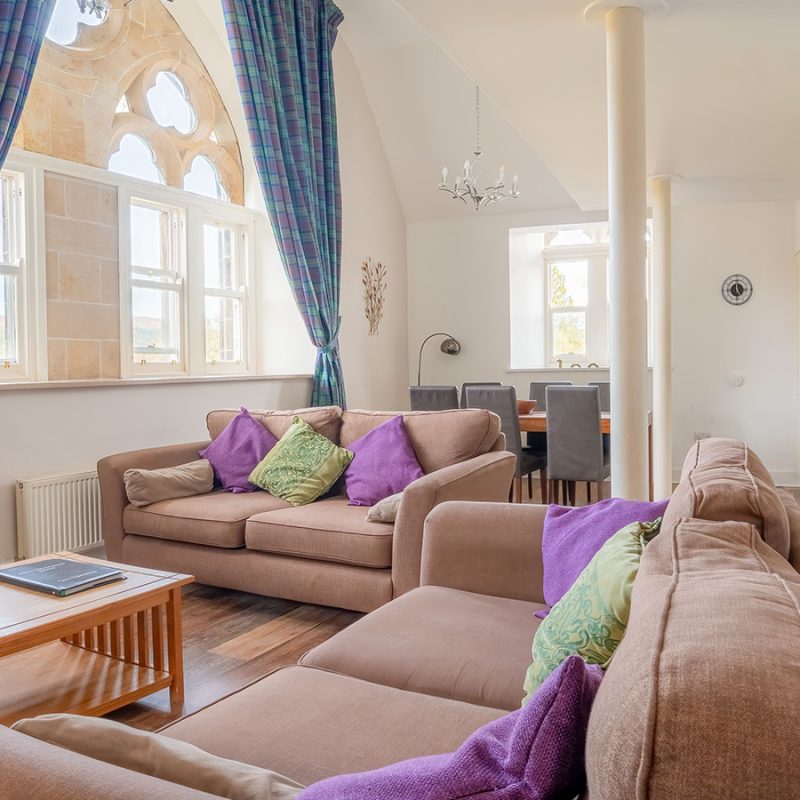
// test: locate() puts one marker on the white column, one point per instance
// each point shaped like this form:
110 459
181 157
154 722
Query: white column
628 224
662 336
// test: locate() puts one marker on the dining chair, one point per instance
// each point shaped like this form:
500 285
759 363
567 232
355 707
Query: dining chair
575 449
605 394
474 383
433 398
502 400
538 391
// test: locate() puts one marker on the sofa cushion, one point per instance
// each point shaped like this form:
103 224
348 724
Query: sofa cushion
216 519
439 438
441 642
724 480
309 724
328 530
147 486
698 701
793 513
325 420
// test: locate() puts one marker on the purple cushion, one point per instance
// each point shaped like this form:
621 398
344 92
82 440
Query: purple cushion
384 463
234 453
536 753
572 536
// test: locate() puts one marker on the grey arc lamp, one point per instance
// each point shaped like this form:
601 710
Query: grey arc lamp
450 347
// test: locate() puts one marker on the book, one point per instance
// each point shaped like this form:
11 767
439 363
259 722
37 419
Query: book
60 576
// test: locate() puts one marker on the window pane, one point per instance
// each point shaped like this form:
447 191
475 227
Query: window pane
204 179
156 333
8 319
67 16
569 283
169 105
8 245
135 159
220 258
151 242
223 330
569 333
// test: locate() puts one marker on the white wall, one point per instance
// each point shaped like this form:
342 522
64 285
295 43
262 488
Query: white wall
459 283
48 431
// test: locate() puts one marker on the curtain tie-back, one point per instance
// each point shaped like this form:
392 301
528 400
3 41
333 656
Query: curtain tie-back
333 342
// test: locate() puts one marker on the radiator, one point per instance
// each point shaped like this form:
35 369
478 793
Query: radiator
61 512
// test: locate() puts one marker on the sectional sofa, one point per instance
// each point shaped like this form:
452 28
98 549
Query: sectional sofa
325 552
699 702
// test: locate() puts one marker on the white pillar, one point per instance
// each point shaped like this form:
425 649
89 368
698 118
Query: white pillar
662 336
628 225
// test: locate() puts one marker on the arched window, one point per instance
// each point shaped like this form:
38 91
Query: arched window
169 104
135 158
203 178
65 24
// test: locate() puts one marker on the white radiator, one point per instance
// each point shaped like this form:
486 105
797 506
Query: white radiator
61 512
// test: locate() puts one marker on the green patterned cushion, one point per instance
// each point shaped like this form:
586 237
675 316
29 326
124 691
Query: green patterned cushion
302 466
590 619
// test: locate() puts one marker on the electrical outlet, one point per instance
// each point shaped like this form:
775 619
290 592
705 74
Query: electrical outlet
701 435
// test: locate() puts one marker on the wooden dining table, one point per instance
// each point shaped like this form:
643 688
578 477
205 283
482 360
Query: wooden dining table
536 422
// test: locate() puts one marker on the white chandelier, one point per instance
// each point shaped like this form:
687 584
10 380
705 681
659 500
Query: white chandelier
465 187
97 7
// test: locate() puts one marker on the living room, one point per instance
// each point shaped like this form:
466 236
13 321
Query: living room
633 225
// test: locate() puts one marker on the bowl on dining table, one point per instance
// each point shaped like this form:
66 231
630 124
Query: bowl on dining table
526 406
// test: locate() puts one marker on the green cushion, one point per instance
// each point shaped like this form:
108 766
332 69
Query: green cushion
590 619
302 466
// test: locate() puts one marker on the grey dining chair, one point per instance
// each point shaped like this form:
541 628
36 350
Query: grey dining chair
538 392
474 383
433 398
575 449
502 400
605 394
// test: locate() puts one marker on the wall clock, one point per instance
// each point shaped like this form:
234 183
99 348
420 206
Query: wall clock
737 289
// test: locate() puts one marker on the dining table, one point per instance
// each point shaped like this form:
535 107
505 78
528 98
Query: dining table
536 422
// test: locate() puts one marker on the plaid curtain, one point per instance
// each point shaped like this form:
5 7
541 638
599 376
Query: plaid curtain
23 24
282 50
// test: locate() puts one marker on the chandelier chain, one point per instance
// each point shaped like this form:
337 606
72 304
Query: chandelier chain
477 119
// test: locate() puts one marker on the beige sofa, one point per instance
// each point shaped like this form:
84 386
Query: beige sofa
699 703
326 552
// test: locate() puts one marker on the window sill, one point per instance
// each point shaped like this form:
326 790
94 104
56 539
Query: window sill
565 368
148 381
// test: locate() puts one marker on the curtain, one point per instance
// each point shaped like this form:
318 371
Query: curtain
282 51
23 24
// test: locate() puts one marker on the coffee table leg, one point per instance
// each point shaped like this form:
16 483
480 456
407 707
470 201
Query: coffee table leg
175 646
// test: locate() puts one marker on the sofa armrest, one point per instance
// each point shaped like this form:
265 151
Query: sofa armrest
35 769
485 477
487 548
110 471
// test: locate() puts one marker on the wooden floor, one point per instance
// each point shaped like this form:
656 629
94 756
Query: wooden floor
230 640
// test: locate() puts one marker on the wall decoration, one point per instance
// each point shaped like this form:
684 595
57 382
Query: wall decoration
374 280
737 289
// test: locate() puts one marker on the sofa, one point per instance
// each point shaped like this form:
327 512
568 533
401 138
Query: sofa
325 552
698 702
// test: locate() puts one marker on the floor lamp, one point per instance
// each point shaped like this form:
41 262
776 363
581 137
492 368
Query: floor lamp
450 347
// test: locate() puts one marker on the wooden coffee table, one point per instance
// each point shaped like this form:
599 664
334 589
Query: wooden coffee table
94 651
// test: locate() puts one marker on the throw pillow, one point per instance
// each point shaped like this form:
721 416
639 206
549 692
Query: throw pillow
386 510
302 466
383 463
146 486
572 536
535 753
590 619
159 756
233 454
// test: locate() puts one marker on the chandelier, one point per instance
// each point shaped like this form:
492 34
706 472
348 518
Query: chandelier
97 7
465 187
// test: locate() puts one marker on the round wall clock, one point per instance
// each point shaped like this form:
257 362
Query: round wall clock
737 289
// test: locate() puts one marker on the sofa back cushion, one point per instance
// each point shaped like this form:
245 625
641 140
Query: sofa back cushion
325 420
439 438
723 480
698 699
793 512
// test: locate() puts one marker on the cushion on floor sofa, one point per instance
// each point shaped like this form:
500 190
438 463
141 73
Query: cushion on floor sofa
216 519
309 724
327 530
441 642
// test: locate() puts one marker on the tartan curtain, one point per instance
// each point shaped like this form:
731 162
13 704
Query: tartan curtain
23 24
282 51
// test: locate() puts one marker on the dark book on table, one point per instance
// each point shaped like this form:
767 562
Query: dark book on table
60 576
